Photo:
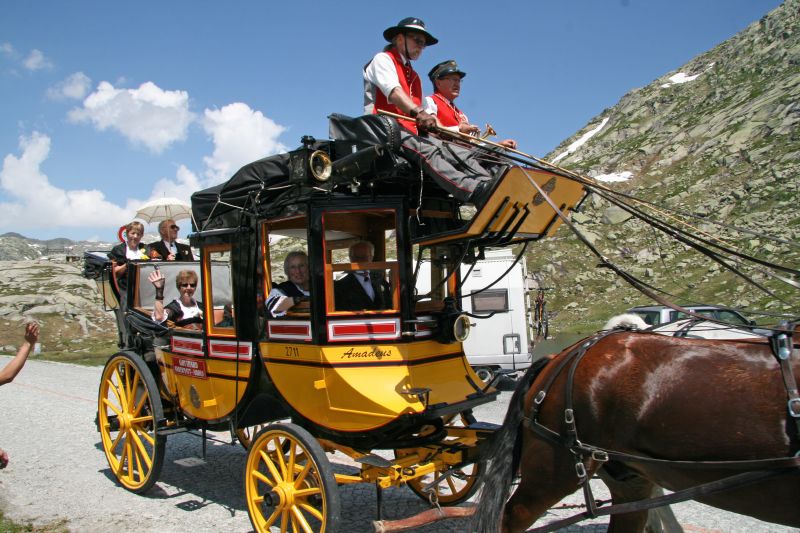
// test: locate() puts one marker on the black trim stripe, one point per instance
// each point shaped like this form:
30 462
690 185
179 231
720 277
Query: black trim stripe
363 364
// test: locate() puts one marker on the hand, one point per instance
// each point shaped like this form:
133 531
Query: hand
425 121
32 333
157 279
171 257
509 143
469 129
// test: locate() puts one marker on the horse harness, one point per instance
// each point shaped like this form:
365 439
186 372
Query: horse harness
758 469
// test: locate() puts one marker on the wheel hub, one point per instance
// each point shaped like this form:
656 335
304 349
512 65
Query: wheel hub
281 496
124 421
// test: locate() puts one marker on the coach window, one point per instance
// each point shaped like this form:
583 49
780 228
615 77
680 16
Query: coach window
361 270
434 279
282 238
218 290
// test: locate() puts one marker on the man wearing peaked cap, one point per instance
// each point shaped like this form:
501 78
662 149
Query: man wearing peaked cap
391 83
446 78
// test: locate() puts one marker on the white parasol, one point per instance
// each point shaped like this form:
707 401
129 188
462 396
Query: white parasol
163 209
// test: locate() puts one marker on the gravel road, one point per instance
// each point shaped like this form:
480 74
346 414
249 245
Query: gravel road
58 472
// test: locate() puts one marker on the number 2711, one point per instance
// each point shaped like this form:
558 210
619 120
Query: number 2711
292 351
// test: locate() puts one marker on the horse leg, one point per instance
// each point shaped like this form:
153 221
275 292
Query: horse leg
631 489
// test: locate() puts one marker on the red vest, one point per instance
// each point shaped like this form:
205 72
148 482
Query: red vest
409 83
447 113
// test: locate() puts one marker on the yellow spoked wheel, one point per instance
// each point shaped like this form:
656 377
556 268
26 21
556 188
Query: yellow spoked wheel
128 410
453 489
457 486
289 483
245 435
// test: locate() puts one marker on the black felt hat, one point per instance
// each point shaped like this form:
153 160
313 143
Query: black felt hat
409 24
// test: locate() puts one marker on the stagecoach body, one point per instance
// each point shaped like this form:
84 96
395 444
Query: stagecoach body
324 377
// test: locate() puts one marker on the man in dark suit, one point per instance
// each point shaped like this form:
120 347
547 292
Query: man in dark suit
362 289
168 249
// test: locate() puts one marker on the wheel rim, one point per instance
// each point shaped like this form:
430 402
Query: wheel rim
127 420
286 487
457 487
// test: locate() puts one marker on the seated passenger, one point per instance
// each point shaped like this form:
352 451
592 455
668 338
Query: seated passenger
287 294
168 249
182 310
362 289
227 317
130 250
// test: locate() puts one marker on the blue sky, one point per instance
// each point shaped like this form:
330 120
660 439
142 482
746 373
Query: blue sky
108 104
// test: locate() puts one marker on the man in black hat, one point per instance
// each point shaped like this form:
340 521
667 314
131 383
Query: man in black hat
446 78
391 83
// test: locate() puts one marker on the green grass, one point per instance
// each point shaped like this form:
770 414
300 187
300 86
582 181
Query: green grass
9 526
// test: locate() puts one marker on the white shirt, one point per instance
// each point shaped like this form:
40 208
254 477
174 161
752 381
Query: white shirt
138 253
380 73
173 249
187 312
365 283
276 297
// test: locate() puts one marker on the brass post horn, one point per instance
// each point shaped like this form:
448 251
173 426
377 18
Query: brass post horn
488 132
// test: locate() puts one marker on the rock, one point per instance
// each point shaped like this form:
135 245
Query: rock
580 218
615 215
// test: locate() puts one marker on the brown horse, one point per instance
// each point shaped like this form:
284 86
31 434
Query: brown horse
648 396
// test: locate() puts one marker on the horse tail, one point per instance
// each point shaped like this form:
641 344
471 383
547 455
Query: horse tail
506 444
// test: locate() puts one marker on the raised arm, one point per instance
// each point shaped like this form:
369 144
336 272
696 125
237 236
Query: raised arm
11 370
157 279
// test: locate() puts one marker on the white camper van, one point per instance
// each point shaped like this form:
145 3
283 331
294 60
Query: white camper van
501 343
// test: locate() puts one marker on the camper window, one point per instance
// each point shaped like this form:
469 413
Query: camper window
490 301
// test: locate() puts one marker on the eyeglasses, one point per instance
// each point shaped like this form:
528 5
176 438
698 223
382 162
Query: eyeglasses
419 39
184 285
176 228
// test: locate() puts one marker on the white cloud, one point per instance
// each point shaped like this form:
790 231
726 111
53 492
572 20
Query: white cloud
36 203
74 87
185 183
7 50
148 116
240 135
36 61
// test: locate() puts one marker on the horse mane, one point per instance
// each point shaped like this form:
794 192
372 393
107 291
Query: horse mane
506 443
626 321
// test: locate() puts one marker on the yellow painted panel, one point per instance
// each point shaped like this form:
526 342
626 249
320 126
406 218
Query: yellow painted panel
363 385
516 186
202 395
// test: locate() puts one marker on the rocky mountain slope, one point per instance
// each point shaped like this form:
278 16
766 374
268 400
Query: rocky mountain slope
74 326
718 138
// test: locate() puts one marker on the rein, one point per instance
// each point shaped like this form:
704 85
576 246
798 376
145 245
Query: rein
759 469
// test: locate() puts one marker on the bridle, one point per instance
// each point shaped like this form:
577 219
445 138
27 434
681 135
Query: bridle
757 470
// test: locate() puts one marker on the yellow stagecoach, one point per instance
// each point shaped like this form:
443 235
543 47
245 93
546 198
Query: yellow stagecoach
389 387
